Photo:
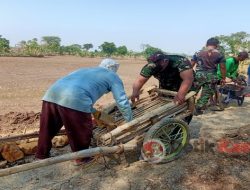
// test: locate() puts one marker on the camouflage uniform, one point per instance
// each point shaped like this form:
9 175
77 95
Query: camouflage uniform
169 78
206 74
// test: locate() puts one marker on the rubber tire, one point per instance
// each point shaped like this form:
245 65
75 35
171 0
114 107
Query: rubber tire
162 123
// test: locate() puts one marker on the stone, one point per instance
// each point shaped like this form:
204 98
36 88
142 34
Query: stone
231 141
60 141
11 152
28 148
3 163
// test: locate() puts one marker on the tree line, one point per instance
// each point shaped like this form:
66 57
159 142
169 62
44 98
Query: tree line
51 45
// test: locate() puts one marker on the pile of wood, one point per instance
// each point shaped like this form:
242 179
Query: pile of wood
154 105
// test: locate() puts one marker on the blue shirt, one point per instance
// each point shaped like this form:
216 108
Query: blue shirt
248 70
81 89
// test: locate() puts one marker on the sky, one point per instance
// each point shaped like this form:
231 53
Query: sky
177 26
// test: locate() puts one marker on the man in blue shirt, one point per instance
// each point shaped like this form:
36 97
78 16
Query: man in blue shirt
69 102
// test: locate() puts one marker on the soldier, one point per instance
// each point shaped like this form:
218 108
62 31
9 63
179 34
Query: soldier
206 72
174 72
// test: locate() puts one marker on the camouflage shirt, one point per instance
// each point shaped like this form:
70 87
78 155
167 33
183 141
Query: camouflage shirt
207 60
169 78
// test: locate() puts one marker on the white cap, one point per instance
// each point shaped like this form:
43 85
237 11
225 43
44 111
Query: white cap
110 64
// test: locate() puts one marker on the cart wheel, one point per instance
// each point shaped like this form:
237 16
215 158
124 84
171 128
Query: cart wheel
240 100
172 133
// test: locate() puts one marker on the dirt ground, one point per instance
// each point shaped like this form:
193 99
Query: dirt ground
23 82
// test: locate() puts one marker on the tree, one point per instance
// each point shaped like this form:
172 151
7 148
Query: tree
87 47
32 48
235 42
21 44
51 44
4 45
108 48
19 48
122 50
149 50
74 49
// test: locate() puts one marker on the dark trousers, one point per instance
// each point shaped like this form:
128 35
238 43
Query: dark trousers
78 126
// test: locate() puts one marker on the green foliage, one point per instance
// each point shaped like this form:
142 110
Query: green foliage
149 50
108 48
235 42
4 45
51 44
32 48
122 50
87 47
74 49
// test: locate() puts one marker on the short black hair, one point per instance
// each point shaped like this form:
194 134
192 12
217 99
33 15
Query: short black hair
213 42
157 56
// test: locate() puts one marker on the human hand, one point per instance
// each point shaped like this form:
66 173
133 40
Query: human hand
179 98
135 97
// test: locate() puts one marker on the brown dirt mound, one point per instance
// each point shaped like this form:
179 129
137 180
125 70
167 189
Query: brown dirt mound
17 122
20 118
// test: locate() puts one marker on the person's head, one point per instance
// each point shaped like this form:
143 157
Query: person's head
110 64
160 59
243 55
212 43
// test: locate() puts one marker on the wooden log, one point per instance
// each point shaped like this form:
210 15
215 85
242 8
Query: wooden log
66 157
141 127
126 126
183 115
144 127
172 93
147 108
25 136
141 110
123 128
166 92
135 129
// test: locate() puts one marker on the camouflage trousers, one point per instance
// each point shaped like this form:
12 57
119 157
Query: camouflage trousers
207 81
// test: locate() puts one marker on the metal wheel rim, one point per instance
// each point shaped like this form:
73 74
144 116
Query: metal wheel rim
174 136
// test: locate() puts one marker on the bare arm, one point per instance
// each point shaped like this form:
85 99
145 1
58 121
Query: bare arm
193 63
138 84
187 77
